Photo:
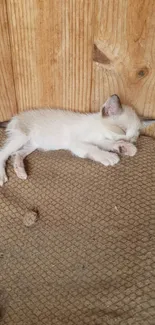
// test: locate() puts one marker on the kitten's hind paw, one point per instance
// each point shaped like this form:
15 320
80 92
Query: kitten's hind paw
3 177
20 172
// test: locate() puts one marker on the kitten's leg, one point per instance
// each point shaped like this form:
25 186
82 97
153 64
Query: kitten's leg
121 147
12 145
84 150
18 160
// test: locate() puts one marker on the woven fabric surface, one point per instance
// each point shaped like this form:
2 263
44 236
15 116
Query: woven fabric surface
89 259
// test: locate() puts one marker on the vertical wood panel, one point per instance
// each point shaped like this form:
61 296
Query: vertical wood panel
7 91
52 52
51 48
23 17
124 54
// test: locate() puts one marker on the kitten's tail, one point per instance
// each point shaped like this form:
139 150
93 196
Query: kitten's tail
4 124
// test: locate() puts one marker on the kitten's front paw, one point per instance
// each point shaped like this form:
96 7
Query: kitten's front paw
3 177
125 148
109 159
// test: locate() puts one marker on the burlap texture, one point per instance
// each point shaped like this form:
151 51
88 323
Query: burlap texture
89 259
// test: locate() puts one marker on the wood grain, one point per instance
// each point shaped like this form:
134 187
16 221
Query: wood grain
8 105
74 54
124 33
52 52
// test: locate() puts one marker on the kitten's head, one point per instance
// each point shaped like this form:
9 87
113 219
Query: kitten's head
122 116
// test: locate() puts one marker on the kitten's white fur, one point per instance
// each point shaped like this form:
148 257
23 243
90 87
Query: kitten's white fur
85 135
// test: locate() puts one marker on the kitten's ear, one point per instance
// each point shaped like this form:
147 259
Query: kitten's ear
112 106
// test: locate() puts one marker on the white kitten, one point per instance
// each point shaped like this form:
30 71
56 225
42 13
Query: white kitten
85 135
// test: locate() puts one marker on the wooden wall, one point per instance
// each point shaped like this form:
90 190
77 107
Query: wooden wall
75 53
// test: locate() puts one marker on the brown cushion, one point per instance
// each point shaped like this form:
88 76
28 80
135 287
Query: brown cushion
89 257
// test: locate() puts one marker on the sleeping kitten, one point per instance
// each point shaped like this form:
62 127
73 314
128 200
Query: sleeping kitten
98 136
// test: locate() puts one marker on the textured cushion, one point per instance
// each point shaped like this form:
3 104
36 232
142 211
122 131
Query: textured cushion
89 257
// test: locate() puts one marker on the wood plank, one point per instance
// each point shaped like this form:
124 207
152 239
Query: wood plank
8 105
124 53
52 52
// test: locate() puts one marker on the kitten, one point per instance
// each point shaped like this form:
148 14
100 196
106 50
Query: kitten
98 136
